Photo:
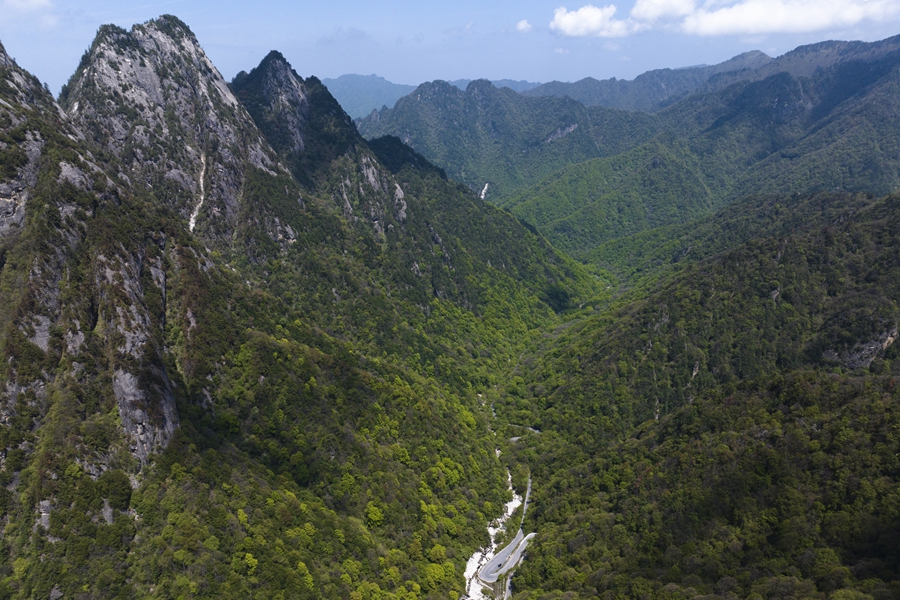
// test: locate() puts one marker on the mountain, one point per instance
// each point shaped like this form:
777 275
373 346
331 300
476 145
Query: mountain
247 352
830 130
650 91
222 378
513 84
727 429
359 95
485 135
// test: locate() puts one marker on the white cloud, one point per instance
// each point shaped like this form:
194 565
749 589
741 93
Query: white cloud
562 51
591 21
524 26
781 16
723 17
611 46
651 10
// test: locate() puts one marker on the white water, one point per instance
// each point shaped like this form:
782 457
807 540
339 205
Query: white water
193 220
483 555
484 191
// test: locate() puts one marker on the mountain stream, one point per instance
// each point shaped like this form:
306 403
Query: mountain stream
489 570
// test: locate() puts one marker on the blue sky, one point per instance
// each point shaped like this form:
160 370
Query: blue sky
415 41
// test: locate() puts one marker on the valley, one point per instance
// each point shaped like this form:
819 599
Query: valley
594 340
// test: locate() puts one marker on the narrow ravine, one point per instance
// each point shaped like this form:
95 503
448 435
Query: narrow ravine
490 569
193 219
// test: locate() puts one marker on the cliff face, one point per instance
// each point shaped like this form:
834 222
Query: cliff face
152 98
74 306
319 143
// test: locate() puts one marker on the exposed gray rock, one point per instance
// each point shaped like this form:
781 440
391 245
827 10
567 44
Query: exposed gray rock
107 512
5 60
40 325
14 193
862 354
202 146
145 435
12 211
43 519
72 174
147 411
74 339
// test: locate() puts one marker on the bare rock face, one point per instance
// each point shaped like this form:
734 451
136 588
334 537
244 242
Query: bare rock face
141 386
281 102
313 135
863 353
20 165
50 311
153 98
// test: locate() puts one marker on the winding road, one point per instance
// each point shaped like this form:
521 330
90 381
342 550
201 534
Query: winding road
499 566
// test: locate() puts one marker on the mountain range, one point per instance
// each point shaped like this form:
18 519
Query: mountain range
359 95
253 348
817 118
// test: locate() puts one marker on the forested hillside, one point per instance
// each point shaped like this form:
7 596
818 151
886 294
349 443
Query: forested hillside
485 135
733 429
247 352
222 378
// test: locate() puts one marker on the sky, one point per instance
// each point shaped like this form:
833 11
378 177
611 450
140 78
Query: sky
410 42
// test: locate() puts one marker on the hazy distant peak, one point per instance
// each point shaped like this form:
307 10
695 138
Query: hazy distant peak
359 95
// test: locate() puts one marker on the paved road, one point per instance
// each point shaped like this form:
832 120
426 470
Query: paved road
506 559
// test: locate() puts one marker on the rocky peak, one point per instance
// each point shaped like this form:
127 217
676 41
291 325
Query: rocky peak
299 118
152 97
436 89
277 100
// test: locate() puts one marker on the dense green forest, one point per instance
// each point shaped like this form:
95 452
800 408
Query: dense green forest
819 118
249 353
496 136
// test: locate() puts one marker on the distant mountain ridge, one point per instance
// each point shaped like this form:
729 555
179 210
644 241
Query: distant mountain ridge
513 84
819 118
650 91
359 95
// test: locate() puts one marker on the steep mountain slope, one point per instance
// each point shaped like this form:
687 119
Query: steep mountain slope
373 196
658 183
732 431
832 130
500 138
219 379
650 91
653 253
152 99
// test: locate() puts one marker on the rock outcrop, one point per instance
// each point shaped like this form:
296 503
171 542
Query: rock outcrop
151 97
